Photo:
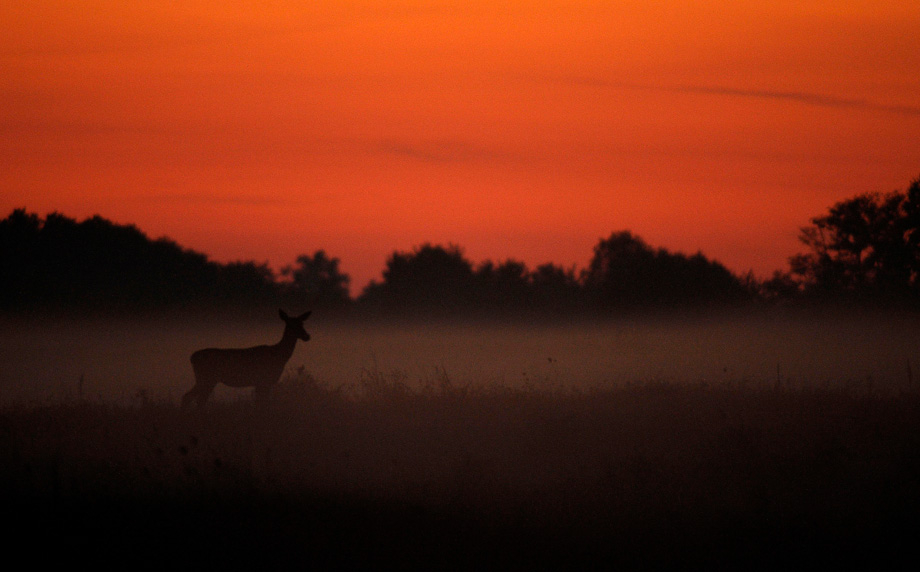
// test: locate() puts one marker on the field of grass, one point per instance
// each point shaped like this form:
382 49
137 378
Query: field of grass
757 441
442 474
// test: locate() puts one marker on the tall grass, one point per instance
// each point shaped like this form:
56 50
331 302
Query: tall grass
432 471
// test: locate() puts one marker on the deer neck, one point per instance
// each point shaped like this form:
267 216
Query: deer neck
286 345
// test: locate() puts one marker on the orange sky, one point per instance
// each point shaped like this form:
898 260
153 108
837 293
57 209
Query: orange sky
515 129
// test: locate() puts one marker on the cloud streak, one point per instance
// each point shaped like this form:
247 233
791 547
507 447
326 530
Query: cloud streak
439 151
196 198
817 99
806 98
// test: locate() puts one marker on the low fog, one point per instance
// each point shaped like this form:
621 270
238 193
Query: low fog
121 360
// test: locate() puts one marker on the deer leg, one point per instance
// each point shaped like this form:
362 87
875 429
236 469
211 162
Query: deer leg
205 393
198 394
189 397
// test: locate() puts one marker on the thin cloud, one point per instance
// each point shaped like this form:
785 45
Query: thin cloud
78 128
806 98
214 199
443 151
800 97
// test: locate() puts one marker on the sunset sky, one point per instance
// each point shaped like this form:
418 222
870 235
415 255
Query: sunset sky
515 129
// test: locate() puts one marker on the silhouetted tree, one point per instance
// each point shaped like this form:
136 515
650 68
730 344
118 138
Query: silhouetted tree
435 278
503 286
246 281
19 244
59 263
316 281
781 286
867 246
555 288
626 272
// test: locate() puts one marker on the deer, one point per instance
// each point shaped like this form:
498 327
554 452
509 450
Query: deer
258 367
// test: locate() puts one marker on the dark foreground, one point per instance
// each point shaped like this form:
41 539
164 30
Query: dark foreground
643 476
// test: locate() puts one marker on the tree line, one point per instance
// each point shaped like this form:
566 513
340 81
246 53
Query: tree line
863 250
56 262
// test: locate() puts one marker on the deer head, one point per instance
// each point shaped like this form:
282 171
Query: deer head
293 326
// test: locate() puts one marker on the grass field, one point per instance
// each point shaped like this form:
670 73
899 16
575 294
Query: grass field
644 475
637 446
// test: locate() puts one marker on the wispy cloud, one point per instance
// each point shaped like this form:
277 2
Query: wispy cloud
69 128
437 151
803 97
819 99
214 199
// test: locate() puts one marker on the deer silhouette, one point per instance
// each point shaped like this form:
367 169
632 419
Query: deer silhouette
258 367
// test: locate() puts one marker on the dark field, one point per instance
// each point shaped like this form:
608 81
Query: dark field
762 442
653 474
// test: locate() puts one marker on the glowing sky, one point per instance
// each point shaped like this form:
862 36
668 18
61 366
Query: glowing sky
515 129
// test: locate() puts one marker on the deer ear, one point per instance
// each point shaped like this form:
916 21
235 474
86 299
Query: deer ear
283 314
305 315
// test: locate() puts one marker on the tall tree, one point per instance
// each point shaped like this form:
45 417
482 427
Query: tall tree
317 281
502 286
432 277
58 263
868 245
556 288
627 272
